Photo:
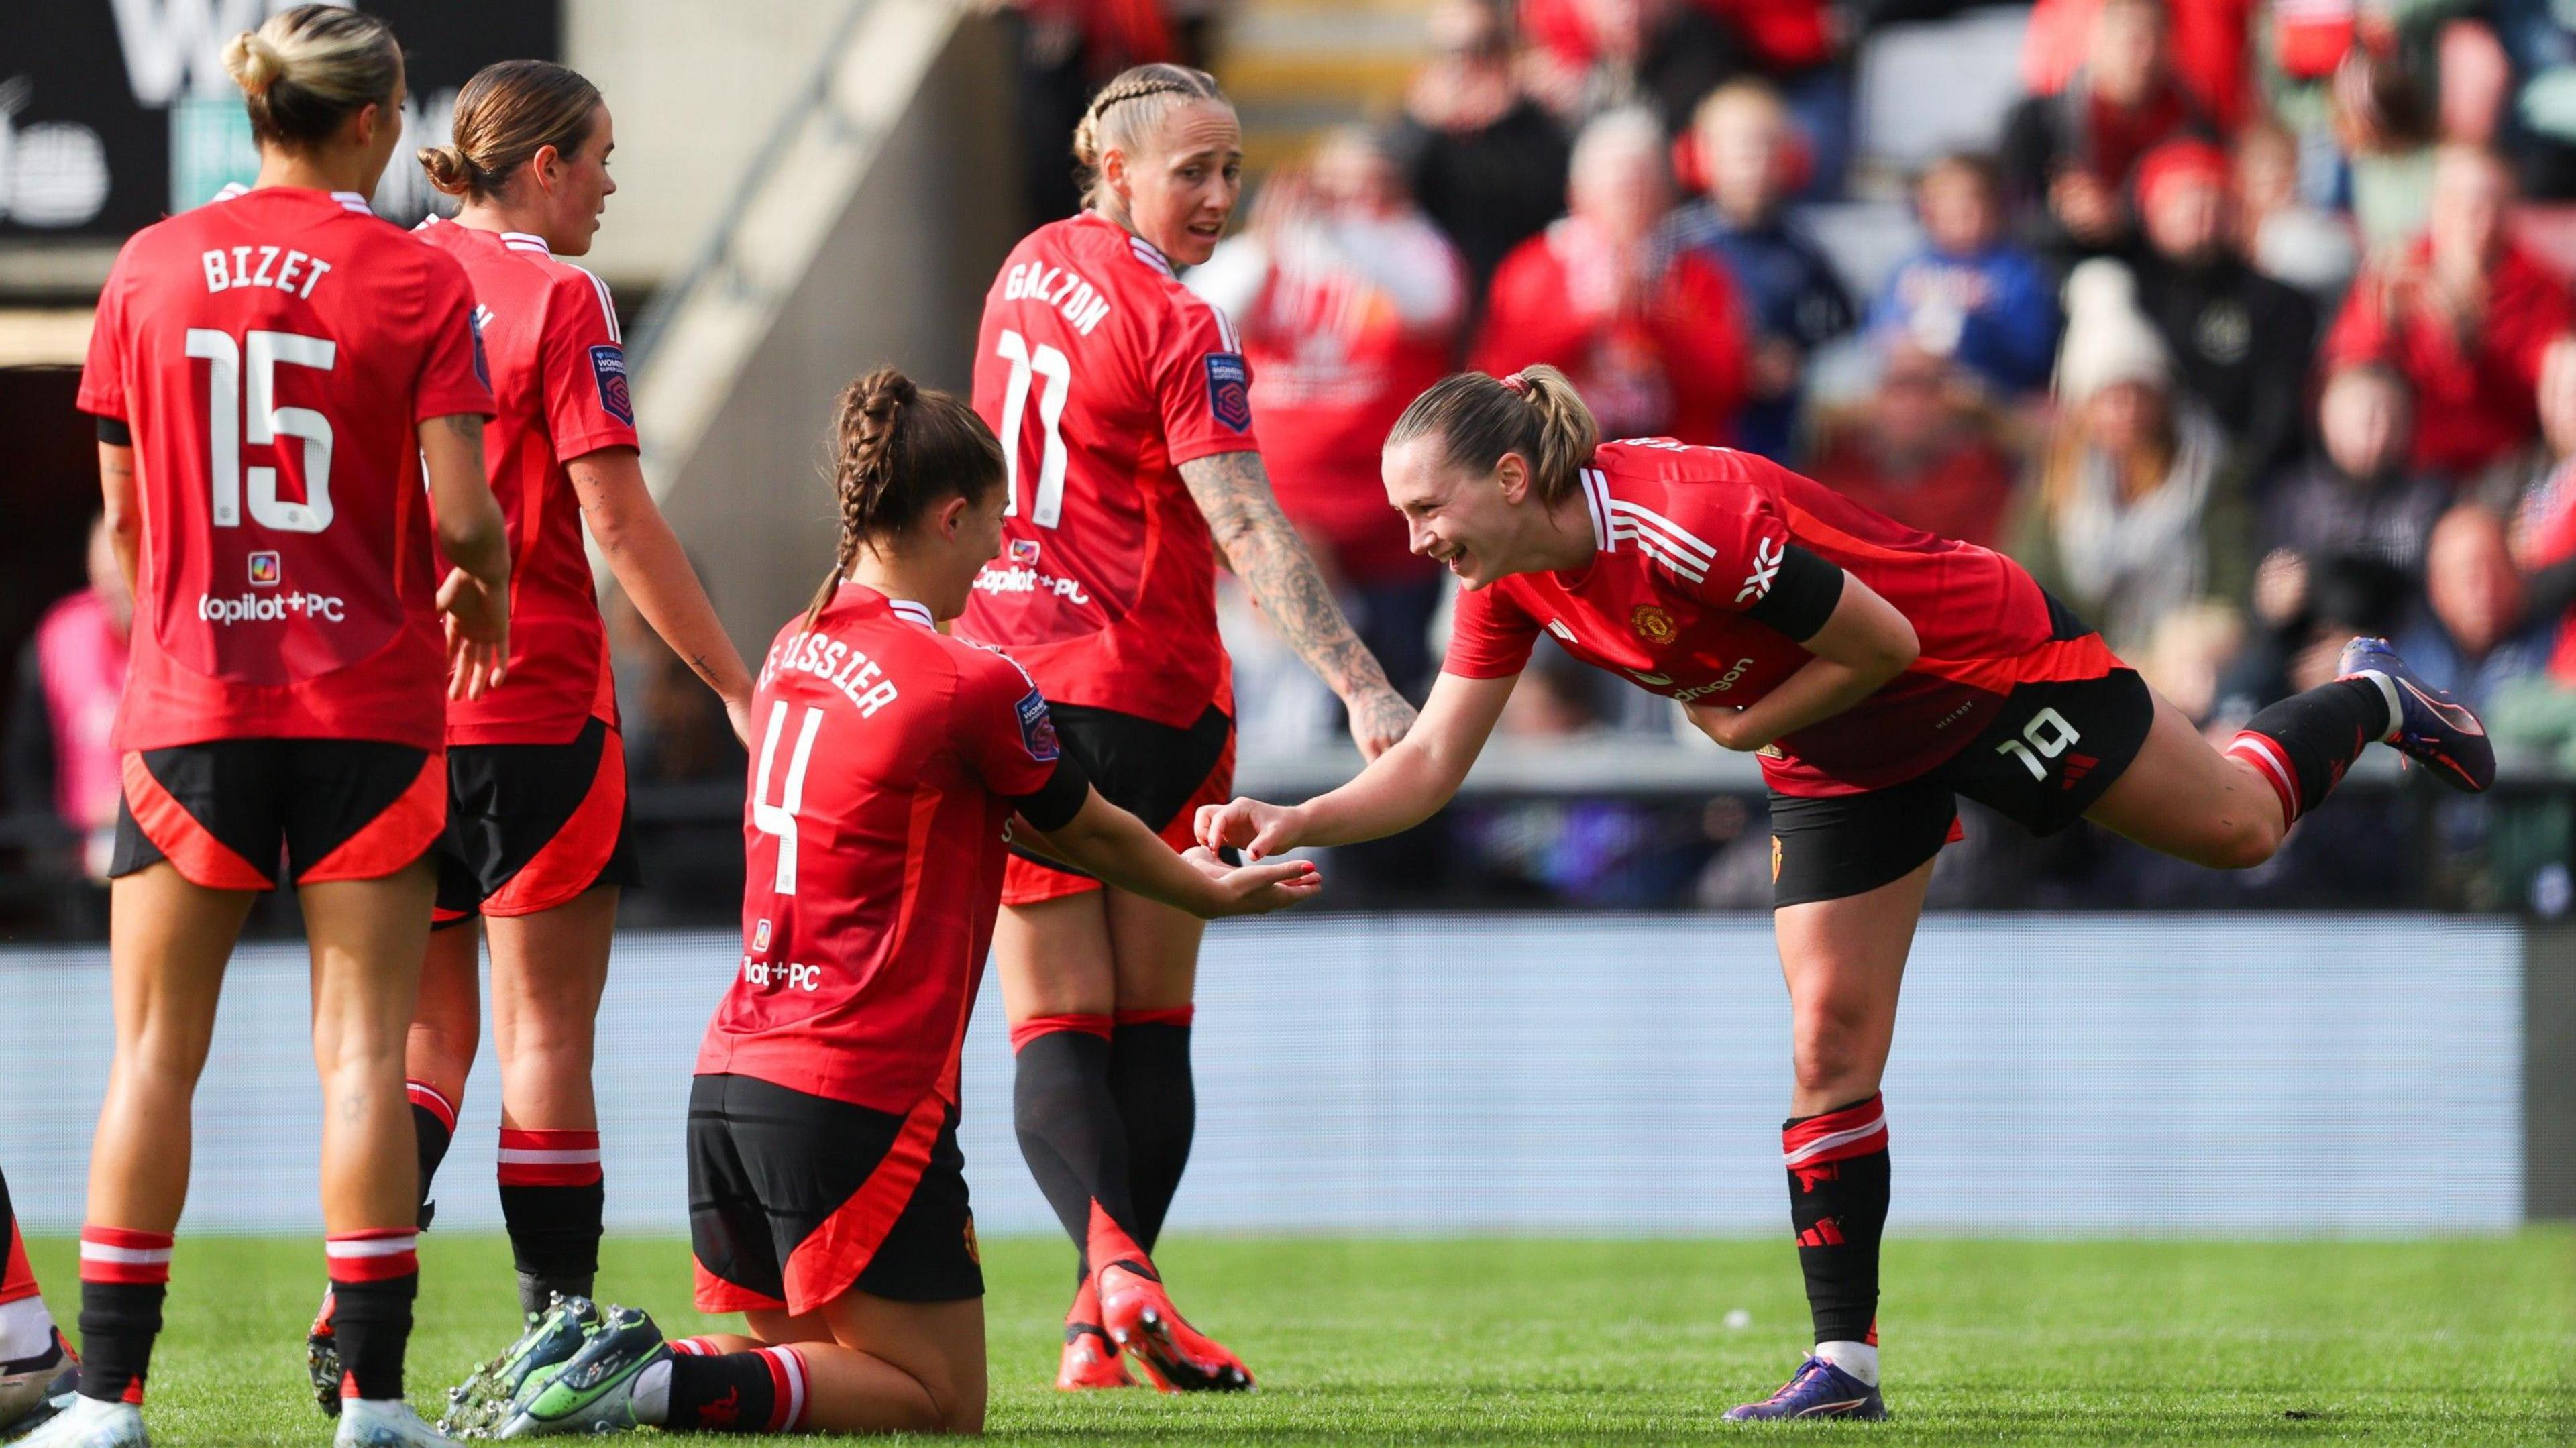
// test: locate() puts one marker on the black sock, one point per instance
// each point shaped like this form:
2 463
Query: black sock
735 1392
124 1277
552 1198
1838 1185
374 1277
1069 1125
1149 1077
433 1122
2303 744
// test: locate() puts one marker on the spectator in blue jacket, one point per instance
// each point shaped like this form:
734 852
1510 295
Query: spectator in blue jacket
1970 295
1750 158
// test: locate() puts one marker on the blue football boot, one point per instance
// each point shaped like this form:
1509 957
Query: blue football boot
1817 1390
2429 725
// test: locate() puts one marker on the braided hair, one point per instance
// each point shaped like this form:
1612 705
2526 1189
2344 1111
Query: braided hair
898 449
1126 110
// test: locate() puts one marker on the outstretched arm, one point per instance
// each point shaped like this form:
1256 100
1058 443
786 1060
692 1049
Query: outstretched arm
1116 846
650 565
1400 789
1263 549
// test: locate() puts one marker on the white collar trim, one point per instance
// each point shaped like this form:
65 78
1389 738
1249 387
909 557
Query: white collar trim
1596 500
918 612
525 241
352 201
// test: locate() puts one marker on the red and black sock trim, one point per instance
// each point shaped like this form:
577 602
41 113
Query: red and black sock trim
433 1123
375 1274
736 1392
124 1277
553 1199
2302 745
1838 1194
1069 1125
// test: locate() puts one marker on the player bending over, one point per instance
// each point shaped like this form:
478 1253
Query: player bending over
827 1196
1879 672
536 774
270 375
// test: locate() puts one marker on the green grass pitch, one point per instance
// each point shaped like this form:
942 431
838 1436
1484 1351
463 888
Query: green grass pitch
1505 1341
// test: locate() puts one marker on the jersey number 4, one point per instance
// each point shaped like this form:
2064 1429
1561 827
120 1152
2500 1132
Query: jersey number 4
780 819
1047 505
233 419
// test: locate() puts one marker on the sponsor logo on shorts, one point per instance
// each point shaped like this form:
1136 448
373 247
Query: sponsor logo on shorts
1775 859
1230 390
608 365
1653 624
265 569
1037 727
270 608
974 1249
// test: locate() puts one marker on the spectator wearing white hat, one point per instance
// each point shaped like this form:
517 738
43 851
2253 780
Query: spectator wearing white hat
2134 514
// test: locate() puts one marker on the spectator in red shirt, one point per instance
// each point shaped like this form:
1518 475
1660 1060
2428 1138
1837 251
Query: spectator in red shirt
1921 450
1653 337
1349 300
2465 314
2068 156
70 678
2211 40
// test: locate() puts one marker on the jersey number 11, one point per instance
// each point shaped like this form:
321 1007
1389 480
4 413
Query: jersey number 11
1048 504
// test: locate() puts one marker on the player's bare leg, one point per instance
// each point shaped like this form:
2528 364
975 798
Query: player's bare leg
1060 992
549 971
367 939
438 1054
1844 961
168 943
2182 797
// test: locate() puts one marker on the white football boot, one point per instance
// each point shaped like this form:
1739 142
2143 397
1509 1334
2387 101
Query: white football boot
369 1423
89 1423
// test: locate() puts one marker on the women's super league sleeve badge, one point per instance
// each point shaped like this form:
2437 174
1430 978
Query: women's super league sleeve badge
1230 390
1037 727
608 364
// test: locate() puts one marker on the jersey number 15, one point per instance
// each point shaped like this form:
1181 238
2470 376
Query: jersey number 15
233 419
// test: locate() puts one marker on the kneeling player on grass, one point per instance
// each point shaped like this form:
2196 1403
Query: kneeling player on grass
827 1198
1879 672
36 1366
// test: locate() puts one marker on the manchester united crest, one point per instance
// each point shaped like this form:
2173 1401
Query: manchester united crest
1653 624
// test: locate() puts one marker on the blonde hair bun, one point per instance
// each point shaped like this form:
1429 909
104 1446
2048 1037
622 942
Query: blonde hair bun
253 63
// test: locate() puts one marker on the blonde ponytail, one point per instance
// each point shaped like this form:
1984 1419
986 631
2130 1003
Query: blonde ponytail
308 69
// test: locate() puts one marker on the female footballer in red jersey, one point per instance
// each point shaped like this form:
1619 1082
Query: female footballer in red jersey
270 373
827 1198
537 774
1121 401
1880 672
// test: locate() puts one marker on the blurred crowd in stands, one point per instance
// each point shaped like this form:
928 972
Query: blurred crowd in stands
2248 327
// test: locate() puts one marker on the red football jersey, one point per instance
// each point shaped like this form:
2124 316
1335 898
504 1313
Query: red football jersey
1690 537
559 379
274 355
887 761
1102 374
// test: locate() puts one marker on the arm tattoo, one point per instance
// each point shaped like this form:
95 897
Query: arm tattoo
1264 550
